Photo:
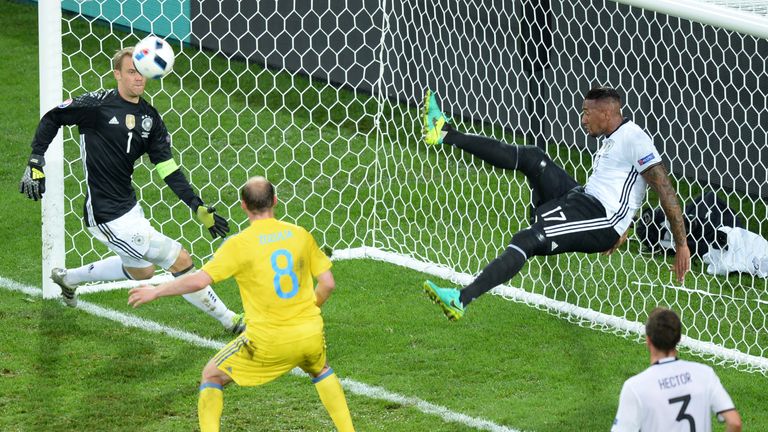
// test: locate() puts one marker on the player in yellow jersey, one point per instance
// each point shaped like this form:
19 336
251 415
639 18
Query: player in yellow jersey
274 263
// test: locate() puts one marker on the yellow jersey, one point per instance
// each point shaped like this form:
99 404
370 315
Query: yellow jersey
273 263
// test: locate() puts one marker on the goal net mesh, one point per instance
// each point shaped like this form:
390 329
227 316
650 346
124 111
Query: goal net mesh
324 100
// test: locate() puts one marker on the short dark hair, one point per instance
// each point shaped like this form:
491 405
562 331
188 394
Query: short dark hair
603 92
663 328
258 196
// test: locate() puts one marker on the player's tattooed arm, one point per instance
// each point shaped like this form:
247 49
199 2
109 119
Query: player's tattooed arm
658 178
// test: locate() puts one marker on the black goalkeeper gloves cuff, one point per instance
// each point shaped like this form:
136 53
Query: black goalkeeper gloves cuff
217 225
33 181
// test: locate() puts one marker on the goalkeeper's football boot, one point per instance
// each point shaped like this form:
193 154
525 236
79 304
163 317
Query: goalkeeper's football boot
434 120
447 299
238 324
58 276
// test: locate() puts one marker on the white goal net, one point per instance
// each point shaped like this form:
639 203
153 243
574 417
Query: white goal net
323 98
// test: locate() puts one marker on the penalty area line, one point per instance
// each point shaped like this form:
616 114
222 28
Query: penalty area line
350 385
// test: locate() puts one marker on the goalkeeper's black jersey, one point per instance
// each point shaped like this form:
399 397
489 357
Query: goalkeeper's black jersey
114 134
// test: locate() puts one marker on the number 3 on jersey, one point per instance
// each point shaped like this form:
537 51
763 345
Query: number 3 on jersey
682 415
284 271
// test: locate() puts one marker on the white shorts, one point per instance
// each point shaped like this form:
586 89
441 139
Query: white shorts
136 242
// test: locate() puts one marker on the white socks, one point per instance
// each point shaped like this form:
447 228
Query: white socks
111 268
207 301
107 269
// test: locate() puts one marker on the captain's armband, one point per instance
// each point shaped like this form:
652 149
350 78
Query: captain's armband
164 169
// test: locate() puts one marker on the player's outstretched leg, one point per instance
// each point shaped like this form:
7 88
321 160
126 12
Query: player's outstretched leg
206 299
68 294
209 302
547 179
525 244
530 160
447 299
107 269
435 122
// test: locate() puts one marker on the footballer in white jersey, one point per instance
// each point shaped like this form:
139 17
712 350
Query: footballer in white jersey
617 168
672 395
565 216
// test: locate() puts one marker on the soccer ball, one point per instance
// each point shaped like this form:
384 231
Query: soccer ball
153 57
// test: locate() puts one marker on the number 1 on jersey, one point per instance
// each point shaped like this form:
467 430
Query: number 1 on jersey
284 271
130 137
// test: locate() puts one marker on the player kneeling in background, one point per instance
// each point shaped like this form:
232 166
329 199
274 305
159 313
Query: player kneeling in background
672 395
274 263
116 128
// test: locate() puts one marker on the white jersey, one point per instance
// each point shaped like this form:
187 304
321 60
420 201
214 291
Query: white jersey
746 252
671 396
616 169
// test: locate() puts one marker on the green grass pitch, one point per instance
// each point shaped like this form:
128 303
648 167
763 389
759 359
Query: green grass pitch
65 370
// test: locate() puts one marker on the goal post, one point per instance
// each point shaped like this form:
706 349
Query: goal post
325 101
52 206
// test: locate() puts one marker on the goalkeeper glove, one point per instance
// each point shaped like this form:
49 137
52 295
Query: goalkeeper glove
33 181
216 224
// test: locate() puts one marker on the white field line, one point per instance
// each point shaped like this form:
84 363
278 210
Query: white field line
352 386
110 286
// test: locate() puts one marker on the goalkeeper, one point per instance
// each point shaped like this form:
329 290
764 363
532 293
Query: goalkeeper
116 128
567 217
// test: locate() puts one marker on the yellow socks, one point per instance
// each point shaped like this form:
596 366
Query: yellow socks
332 395
210 406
